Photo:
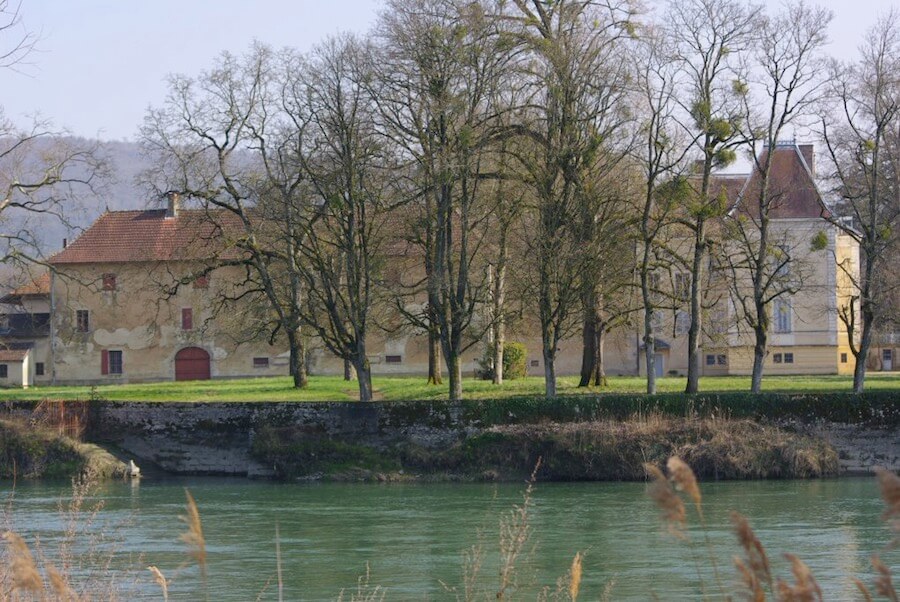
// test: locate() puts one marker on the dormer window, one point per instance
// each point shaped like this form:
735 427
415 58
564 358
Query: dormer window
109 282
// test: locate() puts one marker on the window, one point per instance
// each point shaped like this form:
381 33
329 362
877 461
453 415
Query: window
535 363
777 358
201 282
187 318
682 322
782 260
393 359
110 362
39 369
657 319
682 286
260 362
887 355
782 315
843 358
653 281
4 371
109 282
82 320
710 360
788 358
722 360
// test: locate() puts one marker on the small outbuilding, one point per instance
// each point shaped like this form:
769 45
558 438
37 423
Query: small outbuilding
15 368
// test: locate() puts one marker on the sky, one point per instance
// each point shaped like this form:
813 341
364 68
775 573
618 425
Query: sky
99 64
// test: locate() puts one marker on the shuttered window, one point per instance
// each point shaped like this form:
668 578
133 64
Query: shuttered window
187 318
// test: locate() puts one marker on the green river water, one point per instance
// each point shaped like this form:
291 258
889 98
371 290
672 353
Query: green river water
413 536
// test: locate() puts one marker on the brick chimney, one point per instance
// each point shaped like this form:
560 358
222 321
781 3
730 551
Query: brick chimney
174 204
809 156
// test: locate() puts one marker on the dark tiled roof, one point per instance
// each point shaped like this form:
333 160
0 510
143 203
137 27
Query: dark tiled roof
135 236
792 189
13 355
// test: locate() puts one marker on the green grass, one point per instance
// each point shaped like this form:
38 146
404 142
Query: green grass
334 388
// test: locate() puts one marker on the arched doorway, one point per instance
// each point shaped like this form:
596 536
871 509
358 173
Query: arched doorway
192 363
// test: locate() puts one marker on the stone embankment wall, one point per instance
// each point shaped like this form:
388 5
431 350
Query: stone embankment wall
216 438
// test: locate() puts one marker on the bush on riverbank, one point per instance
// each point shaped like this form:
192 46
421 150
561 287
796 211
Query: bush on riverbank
30 451
597 450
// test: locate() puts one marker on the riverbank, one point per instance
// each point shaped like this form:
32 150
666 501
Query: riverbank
583 451
603 437
28 450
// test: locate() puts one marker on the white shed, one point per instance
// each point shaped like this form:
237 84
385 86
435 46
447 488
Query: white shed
15 368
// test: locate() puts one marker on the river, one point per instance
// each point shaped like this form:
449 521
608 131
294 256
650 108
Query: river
413 536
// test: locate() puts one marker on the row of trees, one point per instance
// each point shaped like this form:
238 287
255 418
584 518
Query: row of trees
468 162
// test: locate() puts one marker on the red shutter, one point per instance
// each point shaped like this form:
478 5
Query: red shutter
187 318
104 362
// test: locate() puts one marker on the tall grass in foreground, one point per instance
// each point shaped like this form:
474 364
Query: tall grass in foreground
756 579
27 573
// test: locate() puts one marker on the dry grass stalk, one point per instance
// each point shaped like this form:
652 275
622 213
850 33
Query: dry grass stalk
364 592
161 581
515 531
278 564
863 590
193 537
805 588
890 491
25 575
669 503
755 553
685 480
884 585
60 585
750 580
575 576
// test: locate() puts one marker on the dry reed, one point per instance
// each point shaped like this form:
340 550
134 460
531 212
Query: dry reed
668 501
193 537
160 580
805 587
575 576
889 483
25 574
754 552
884 585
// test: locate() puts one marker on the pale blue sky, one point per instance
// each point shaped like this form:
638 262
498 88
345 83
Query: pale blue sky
100 63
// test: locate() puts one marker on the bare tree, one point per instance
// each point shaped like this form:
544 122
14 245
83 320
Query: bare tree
658 156
339 250
443 61
43 170
710 36
217 141
567 128
860 135
785 85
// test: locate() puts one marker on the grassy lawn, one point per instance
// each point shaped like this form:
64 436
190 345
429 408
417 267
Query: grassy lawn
334 388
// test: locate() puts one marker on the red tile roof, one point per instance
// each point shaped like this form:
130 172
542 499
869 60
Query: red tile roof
135 236
13 355
38 287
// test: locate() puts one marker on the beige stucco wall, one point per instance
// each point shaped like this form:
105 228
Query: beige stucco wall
142 321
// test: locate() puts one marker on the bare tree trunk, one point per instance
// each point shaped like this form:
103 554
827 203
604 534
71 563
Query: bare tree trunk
498 326
549 372
434 357
364 377
865 339
454 370
696 328
649 340
589 327
599 370
297 359
759 358
348 370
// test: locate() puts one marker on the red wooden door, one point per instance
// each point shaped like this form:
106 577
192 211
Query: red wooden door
192 363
